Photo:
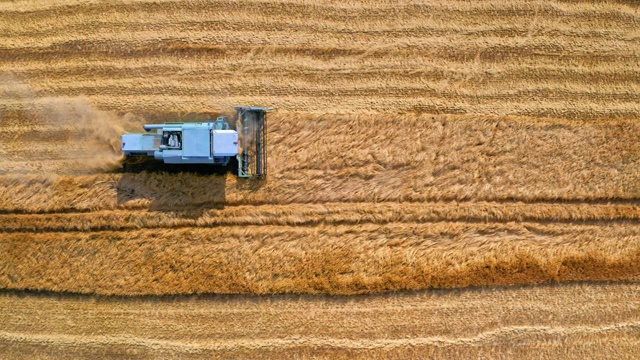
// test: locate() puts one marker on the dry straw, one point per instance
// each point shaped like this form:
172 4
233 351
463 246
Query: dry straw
354 204
543 186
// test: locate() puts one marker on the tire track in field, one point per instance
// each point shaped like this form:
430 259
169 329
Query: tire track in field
494 336
324 214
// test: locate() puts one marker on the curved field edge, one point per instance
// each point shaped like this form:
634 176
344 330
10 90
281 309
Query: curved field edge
333 259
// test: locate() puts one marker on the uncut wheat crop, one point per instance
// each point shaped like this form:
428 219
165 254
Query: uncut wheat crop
415 145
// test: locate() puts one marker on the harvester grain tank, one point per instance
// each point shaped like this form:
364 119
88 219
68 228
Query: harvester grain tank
215 142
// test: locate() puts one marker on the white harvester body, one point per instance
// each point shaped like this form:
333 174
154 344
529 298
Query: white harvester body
214 142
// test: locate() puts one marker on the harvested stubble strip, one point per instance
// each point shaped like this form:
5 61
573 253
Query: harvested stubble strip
341 259
316 214
537 322
489 57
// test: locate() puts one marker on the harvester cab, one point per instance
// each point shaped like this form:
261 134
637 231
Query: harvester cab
215 142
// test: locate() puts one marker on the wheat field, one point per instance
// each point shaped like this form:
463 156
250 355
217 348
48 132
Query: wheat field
416 145
546 322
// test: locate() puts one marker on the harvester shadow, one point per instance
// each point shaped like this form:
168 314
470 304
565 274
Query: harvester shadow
185 191
249 185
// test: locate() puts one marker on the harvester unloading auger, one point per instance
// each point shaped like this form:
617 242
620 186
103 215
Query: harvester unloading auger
214 142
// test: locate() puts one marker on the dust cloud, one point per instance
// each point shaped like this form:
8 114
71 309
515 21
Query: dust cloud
58 135
94 138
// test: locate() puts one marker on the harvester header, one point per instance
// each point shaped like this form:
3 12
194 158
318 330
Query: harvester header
216 142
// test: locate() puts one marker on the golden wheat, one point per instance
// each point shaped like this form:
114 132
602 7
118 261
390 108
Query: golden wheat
543 168
345 259
539 58
357 159
541 322
422 144
326 213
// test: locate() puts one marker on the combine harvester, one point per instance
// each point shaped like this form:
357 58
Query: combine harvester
216 142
